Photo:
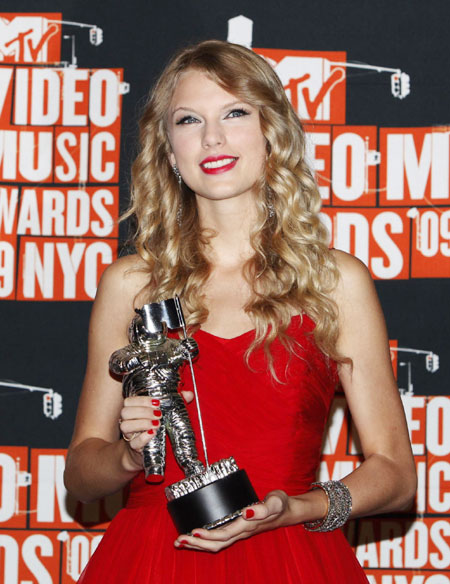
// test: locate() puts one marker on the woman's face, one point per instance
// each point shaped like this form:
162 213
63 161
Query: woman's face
216 139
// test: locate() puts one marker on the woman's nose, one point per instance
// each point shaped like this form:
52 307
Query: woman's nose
213 135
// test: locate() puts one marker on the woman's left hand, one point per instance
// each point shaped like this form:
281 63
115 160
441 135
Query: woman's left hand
275 511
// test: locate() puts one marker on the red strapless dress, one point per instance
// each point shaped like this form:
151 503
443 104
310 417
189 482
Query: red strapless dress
274 431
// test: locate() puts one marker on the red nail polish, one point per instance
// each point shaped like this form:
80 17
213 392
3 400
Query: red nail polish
157 413
150 432
155 422
155 402
196 535
249 513
183 541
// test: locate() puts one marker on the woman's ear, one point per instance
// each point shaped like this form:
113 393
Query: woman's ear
172 160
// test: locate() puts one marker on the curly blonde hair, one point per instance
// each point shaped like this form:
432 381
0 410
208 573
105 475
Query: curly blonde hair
292 269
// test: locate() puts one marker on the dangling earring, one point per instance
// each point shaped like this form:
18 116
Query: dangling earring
270 207
179 214
176 172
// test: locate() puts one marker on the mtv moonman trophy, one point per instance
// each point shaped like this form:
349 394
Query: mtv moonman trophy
209 496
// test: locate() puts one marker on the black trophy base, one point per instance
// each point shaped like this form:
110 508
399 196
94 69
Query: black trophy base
214 504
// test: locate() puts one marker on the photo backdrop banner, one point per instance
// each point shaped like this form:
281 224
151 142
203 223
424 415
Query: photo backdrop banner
370 81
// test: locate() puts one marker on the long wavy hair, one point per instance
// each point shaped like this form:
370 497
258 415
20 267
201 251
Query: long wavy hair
292 270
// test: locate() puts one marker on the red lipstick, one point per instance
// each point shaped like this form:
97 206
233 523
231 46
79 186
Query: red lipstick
218 164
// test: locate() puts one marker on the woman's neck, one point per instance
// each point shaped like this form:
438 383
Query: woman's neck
231 221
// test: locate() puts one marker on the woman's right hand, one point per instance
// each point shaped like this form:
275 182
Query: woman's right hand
140 418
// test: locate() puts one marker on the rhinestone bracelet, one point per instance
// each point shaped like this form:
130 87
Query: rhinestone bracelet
339 506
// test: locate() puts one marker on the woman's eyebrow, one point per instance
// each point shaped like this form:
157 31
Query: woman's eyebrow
182 108
191 109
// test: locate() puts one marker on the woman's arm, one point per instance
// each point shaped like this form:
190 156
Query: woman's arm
98 461
386 480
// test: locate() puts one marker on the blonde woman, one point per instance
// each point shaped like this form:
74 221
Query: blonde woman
226 214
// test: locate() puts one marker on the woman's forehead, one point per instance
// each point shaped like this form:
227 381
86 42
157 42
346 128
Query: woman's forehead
196 86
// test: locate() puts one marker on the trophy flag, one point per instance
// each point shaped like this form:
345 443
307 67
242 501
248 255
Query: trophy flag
168 311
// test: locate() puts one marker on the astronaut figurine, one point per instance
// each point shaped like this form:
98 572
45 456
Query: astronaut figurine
149 366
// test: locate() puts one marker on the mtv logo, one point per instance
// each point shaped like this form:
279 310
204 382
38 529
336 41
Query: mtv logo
314 82
30 38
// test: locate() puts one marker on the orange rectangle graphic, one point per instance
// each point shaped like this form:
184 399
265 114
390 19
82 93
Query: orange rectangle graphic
29 556
395 544
14 480
62 269
353 165
9 204
68 212
414 169
315 82
378 237
30 37
430 250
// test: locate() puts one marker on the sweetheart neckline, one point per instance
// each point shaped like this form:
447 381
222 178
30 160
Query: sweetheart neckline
225 339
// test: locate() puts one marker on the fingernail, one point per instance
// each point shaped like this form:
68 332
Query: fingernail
249 513
150 432
155 402
157 413
183 541
196 535
155 423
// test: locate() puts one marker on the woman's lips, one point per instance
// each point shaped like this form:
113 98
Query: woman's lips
218 164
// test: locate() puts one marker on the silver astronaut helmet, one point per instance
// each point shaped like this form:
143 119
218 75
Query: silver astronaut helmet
146 326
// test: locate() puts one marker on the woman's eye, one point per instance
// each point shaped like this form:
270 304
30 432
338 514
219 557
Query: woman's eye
237 113
186 120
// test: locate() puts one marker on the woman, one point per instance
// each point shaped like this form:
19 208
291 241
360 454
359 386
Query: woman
227 218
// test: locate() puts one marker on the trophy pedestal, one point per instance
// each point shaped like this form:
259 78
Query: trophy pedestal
211 498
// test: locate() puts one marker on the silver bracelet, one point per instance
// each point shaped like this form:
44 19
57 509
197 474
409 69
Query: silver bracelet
339 506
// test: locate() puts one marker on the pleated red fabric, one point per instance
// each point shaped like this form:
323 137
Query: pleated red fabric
274 431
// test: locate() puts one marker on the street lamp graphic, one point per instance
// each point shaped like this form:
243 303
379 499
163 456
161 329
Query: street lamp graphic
431 365
240 31
51 400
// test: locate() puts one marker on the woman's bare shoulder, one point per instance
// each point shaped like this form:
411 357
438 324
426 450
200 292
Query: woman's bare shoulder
124 279
354 277
129 268
349 265
121 289
357 301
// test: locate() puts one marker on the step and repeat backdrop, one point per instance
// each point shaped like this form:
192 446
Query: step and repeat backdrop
370 80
